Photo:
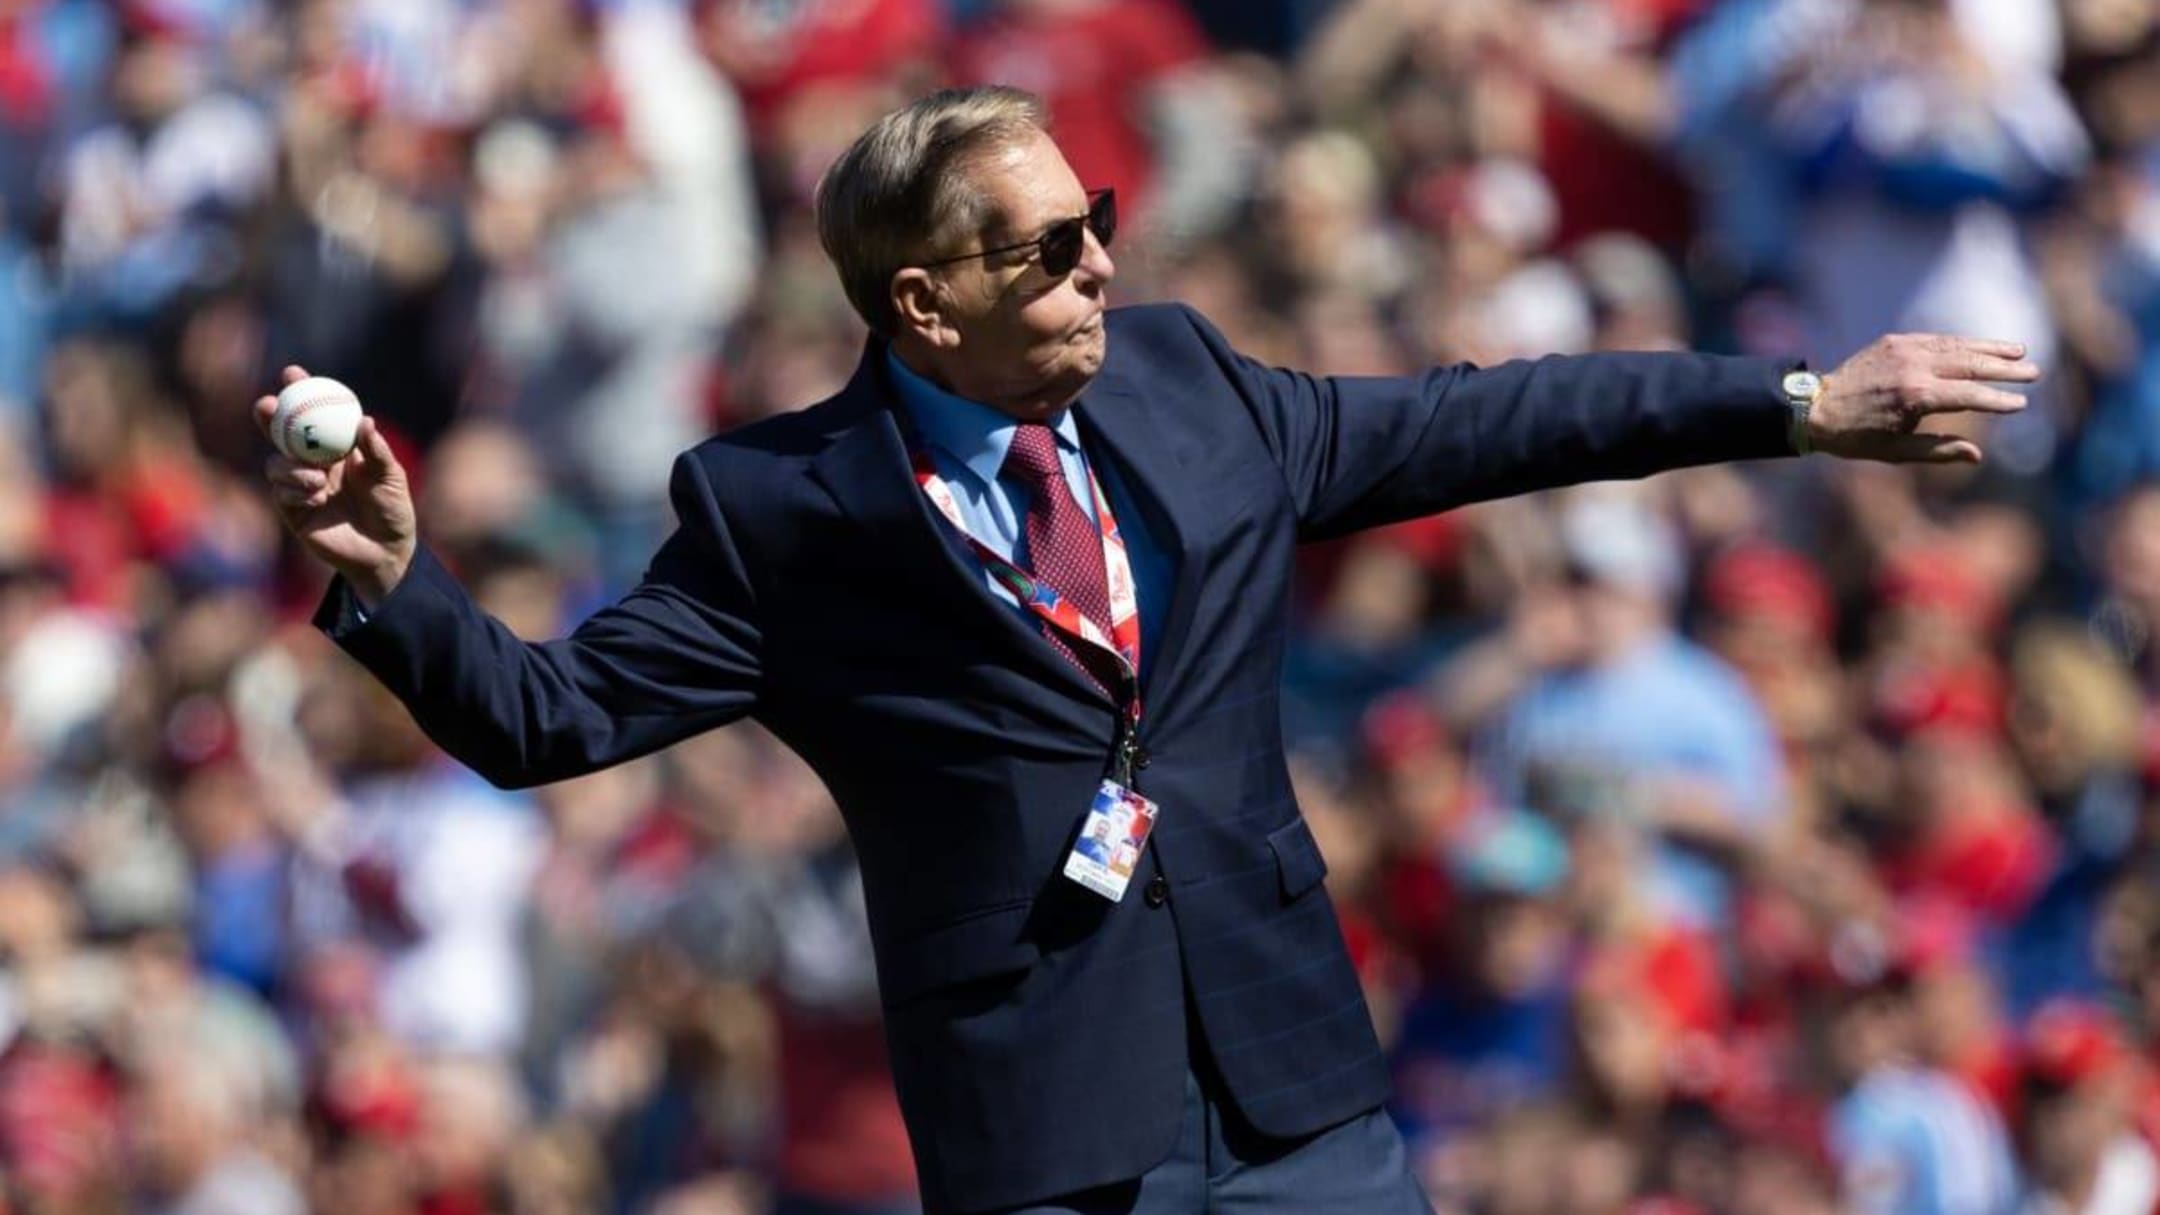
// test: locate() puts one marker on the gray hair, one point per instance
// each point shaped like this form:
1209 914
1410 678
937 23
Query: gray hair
901 188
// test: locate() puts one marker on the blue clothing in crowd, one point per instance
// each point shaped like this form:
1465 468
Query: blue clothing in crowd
1461 1062
1591 739
1914 1142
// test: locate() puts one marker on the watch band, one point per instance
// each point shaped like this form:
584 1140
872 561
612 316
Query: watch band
1801 388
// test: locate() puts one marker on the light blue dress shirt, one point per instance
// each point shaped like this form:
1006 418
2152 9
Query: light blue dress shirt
968 442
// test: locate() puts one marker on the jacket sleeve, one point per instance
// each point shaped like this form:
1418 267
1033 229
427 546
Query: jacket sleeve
1358 452
677 655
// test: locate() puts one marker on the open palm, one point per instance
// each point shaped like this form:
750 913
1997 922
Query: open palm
355 515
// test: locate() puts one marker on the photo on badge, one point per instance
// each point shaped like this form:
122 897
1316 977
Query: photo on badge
1107 848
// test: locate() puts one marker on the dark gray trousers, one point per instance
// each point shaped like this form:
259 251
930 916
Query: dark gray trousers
1222 1167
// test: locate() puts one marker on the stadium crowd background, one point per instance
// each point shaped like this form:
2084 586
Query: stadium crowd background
1777 840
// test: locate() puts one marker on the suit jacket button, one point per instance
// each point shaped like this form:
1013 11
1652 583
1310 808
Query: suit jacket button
1158 891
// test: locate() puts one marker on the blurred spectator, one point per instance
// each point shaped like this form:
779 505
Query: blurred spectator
1369 635
1627 720
1488 1035
146 201
426 870
782 907
1136 102
2127 612
1769 615
1923 141
1957 828
1322 218
784 55
2081 1088
1424 795
189 1132
647 254
2077 724
2103 269
1907 1139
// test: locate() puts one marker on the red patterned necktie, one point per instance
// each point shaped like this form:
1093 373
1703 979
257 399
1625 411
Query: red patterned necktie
1064 548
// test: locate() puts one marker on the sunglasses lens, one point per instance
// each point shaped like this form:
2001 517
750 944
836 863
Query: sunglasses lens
1102 217
1061 249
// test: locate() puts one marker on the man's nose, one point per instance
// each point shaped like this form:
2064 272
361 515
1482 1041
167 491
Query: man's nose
1094 264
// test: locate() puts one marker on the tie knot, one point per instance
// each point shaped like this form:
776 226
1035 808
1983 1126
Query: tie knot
1033 458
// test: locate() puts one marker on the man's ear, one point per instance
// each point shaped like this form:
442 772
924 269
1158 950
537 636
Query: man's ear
921 306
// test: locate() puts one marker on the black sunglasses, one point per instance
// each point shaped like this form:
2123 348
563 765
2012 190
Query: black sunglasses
1059 246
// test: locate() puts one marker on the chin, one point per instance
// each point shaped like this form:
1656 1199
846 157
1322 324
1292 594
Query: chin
1092 347
1083 371
1067 374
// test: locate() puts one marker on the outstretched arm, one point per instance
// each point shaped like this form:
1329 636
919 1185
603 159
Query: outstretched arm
1358 452
678 655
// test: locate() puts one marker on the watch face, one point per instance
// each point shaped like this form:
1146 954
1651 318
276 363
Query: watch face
1802 384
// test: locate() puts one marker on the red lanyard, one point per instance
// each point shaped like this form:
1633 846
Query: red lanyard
1123 641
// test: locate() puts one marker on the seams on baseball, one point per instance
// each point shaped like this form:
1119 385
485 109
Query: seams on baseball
324 393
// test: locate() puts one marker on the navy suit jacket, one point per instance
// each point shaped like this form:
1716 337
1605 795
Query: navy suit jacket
1038 1032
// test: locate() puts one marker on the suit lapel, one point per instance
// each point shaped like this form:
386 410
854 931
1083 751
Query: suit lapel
1148 466
865 468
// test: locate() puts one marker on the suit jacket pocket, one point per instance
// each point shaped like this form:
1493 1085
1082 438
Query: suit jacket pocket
981 945
1297 857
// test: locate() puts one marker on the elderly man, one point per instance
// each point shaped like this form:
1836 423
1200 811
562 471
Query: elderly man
1030 568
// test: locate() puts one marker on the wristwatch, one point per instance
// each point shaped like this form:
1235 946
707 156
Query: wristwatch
1801 387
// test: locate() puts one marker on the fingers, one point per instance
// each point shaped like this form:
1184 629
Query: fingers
376 448
1997 348
1869 408
296 485
371 458
1954 372
294 500
1981 365
1958 396
266 406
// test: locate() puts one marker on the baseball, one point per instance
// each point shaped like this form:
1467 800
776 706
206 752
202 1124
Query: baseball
316 421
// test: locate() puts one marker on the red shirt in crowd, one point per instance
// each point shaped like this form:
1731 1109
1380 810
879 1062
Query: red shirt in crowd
841 1137
1989 862
1606 181
1092 64
773 51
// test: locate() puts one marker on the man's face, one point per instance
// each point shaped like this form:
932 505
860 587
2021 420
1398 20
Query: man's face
1023 341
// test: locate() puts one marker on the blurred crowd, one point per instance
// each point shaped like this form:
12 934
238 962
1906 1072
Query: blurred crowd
1770 840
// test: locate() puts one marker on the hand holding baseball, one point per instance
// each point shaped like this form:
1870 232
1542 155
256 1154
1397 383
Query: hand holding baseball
1872 407
355 513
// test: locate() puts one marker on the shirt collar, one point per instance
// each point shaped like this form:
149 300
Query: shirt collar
970 432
